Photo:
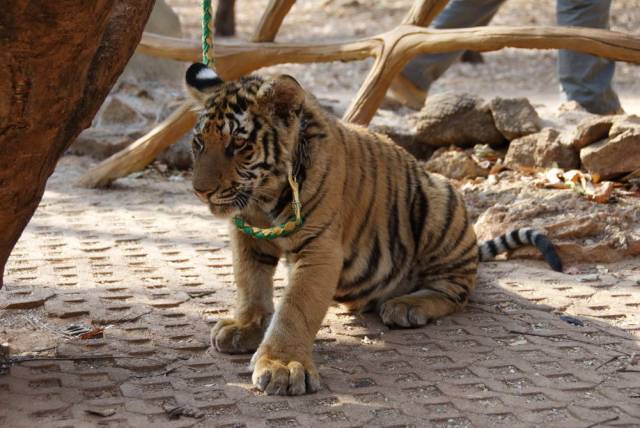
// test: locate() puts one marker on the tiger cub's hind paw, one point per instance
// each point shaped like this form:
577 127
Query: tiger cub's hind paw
415 310
231 337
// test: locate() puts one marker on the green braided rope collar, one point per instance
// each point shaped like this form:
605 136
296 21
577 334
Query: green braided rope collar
285 229
294 223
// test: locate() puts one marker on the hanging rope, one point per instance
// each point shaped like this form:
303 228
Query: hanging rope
207 31
296 221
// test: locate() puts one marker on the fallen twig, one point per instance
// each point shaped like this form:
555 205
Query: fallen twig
136 318
608 361
595 424
627 370
530 333
350 372
44 349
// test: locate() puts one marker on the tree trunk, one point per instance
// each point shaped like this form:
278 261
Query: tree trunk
225 20
58 61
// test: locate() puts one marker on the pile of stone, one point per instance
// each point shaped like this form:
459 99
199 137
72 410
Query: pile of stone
608 146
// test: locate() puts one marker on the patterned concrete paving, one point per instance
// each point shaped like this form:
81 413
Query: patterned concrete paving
147 260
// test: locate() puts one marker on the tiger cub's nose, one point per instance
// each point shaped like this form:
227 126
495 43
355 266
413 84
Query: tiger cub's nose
203 195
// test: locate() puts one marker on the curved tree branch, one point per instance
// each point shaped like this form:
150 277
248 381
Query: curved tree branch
424 11
271 20
238 59
405 42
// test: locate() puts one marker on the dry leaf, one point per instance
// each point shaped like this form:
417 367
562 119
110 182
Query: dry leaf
96 333
498 167
578 181
604 192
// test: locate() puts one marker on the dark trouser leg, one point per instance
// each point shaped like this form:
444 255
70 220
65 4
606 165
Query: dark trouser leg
585 78
425 69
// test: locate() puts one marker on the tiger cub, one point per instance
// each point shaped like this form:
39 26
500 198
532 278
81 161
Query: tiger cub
379 233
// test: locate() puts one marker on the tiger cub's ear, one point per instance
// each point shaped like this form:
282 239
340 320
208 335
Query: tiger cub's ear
282 94
201 80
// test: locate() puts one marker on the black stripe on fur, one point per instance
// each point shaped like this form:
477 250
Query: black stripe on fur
519 238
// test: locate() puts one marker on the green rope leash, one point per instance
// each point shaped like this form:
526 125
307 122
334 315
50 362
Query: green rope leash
206 31
296 221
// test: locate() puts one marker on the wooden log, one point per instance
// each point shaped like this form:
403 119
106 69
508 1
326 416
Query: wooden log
238 59
58 61
405 42
271 20
422 12
143 151
233 60
225 19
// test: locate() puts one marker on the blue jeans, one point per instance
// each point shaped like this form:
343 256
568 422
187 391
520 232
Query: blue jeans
584 78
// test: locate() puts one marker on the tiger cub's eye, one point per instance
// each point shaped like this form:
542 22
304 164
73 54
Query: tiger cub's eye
197 144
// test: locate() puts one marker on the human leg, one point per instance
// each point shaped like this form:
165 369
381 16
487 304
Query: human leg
586 78
423 70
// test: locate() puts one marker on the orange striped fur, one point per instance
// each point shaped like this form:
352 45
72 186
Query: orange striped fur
380 232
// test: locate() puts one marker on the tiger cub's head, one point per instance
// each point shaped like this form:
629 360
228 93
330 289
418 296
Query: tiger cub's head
244 138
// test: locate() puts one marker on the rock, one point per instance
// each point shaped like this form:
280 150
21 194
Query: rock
552 151
625 123
514 117
116 112
591 130
454 163
542 149
163 21
456 119
99 143
521 151
178 155
613 156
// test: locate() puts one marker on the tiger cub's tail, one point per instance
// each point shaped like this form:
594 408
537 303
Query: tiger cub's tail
519 238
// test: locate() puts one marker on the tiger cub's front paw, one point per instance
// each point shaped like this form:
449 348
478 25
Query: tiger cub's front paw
278 375
232 337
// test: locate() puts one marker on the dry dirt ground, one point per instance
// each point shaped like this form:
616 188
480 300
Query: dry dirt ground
145 261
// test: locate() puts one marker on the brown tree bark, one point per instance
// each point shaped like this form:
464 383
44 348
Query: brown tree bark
58 61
